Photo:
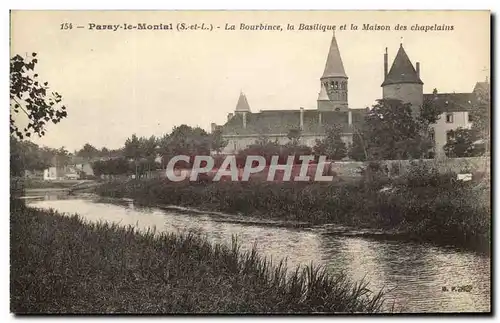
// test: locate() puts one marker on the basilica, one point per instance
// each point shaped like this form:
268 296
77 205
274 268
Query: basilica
402 81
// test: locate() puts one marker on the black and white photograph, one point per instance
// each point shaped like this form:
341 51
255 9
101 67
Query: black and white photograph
250 162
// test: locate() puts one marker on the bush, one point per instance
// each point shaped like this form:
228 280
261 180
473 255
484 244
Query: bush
375 175
421 174
413 207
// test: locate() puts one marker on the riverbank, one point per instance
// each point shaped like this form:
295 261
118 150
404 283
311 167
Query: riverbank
39 184
28 186
59 264
441 211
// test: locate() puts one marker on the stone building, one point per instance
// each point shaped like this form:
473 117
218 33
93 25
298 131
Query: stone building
244 127
402 81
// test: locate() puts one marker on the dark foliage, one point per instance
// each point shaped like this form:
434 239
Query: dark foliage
31 96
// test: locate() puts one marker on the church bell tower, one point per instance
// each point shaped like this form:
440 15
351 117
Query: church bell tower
333 95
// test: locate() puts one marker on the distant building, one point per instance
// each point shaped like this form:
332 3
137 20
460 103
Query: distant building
34 174
402 81
77 171
85 169
244 127
53 173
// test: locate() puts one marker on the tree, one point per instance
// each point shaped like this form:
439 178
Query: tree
114 166
30 96
262 140
25 155
357 150
62 157
88 152
142 151
481 116
114 153
268 149
461 143
185 140
132 149
391 132
163 149
332 145
104 152
217 141
429 111
148 148
294 135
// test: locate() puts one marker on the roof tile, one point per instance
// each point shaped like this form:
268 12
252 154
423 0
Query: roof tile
402 70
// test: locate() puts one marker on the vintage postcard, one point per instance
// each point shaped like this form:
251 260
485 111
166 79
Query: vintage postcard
250 162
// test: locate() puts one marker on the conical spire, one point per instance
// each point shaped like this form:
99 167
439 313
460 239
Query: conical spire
402 70
242 104
323 96
334 66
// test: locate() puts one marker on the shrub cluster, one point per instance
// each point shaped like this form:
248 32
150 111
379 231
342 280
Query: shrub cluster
449 210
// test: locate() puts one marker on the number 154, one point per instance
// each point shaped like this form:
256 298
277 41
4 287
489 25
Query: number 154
66 26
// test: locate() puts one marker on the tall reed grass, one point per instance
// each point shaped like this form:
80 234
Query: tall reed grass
60 264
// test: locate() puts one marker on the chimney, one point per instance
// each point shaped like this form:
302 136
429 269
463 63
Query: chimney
385 63
213 126
229 116
349 117
301 118
244 119
418 69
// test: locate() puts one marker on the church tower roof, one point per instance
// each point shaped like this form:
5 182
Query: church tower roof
242 104
334 66
402 70
323 96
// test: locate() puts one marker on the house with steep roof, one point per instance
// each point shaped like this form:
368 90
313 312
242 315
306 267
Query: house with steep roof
244 127
403 82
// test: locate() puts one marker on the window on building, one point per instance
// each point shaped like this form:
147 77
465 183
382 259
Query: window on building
449 118
469 117
432 135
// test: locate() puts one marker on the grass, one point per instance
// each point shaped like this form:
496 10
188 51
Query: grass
61 264
440 211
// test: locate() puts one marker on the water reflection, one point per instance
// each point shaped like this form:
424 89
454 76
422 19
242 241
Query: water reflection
415 273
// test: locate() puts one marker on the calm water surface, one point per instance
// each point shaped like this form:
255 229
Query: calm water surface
415 273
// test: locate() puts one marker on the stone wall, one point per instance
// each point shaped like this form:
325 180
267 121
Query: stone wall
399 167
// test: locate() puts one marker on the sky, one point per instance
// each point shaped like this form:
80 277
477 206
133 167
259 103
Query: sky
117 83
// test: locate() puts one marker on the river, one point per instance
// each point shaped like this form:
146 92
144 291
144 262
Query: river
413 273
